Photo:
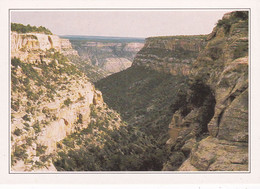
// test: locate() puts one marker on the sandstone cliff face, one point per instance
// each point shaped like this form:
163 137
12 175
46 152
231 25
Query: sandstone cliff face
211 124
110 56
113 65
50 100
38 124
27 46
173 54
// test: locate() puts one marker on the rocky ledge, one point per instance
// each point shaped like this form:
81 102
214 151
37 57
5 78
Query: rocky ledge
170 54
209 128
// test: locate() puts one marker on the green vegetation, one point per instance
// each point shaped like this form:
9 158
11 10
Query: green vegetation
178 53
241 50
193 37
29 141
36 127
15 105
234 18
26 117
68 141
47 79
126 149
20 28
40 149
18 132
93 112
226 24
215 52
139 146
133 91
79 119
19 152
67 102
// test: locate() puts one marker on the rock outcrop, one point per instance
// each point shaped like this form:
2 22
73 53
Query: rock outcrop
27 46
112 57
183 102
51 99
113 65
208 122
172 54
211 121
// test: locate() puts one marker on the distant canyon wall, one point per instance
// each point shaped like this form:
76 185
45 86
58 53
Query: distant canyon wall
209 127
170 54
111 57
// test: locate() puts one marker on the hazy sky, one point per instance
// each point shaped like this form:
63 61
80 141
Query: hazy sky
122 23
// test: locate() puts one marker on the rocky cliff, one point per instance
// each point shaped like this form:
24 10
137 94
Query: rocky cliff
50 99
183 106
111 56
189 96
209 127
27 46
172 54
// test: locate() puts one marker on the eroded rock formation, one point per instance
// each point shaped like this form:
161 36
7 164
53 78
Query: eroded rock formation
112 57
212 122
27 46
172 54
50 99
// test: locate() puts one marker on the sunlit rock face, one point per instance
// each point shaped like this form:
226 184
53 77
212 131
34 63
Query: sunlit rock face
207 121
50 99
172 54
27 46
112 57
211 127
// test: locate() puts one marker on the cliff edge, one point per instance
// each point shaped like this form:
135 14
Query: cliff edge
209 128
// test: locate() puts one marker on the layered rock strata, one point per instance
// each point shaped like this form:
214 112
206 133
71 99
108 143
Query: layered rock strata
28 46
210 124
50 99
172 54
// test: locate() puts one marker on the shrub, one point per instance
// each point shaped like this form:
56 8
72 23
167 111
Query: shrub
241 50
93 113
226 24
20 152
243 15
235 17
68 142
79 119
215 52
15 105
39 164
26 125
20 28
40 149
26 117
18 132
44 158
199 91
29 141
81 98
37 127
67 102
16 62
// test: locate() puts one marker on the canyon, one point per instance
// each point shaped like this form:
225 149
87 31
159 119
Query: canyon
182 105
51 99
111 54
206 117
